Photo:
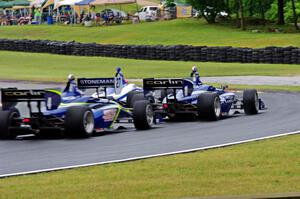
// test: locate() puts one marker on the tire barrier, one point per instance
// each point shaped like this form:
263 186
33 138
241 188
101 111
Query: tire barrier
272 54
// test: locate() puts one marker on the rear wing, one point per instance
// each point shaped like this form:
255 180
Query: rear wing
86 83
96 83
151 84
16 95
11 96
158 84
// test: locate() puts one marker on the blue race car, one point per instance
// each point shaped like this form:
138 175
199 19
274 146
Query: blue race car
122 91
186 97
71 113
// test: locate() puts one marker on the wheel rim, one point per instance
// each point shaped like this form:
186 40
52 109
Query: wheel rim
256 102
217 106
88 122
13 115
149 115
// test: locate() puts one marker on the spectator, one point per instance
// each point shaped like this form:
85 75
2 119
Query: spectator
98 19
38 16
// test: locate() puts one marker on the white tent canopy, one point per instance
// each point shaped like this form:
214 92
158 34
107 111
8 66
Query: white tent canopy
66 3
110 2
37 3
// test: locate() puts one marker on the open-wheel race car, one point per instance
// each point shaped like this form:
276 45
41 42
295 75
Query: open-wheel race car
72 114
184 97
122 91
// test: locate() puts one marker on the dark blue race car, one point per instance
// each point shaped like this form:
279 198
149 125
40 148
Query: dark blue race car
186 97
71 113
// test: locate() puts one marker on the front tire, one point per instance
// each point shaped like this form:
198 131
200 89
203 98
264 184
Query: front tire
79 122
209 106
6 121
250 102
143 115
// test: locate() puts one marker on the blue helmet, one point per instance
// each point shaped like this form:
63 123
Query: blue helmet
118 69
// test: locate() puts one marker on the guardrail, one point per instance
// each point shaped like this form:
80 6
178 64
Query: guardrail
272 54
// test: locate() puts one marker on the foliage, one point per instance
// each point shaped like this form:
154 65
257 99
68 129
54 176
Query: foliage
169 3
271 14
209 8
288 16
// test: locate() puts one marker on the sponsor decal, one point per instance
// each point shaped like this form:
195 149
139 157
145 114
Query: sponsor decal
109 115
95 82
163 83
15 95
20 93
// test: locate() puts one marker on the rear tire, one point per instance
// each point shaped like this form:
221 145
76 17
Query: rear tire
209 106
250 102
130 96
135 98
6 122
143 115
79 122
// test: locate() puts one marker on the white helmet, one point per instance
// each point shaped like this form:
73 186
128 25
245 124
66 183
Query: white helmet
194 68
71 77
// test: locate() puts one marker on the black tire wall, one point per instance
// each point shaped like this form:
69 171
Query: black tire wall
272 54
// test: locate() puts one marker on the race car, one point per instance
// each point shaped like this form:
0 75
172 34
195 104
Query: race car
72 114
185 97
122 91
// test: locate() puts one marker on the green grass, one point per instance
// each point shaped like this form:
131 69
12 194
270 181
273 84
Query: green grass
254 168
184 31
55 68
266 88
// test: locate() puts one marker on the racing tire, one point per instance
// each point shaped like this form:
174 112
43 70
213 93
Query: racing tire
209 106
6 122
143 115
130 96
135 98
250 102
79 122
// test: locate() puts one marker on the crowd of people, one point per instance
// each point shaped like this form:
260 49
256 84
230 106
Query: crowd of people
65 16
20 18
68 15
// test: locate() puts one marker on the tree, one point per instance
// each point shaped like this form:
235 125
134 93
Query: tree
241 8
208 8
280 12
295 16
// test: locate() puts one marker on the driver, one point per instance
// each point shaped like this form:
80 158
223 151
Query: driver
71 86
195 75
120 74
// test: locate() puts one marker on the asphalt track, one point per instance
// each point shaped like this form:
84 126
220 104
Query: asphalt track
30 154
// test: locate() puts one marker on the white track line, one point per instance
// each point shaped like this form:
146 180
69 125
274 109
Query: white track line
148 156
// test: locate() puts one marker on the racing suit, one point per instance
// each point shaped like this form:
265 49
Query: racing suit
196 78
120 74
71 87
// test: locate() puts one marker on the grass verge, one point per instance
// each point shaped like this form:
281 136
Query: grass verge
184 31
55 68
254 168
267 88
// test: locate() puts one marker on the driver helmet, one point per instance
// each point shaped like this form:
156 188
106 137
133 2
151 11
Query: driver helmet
118 69
71 77
194 69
